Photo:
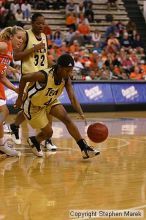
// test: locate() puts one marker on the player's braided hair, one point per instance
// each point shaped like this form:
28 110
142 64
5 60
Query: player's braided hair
65 60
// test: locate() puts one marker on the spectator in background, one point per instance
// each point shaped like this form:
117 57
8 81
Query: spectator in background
14 6
94 59
82 18
137 73
74 47
71 21
84 29
110 29
105 74
71 7
69 34
26 10
100 62
80 8
86 2
19 15
64 48
113 43
112 3
134 56
96 36
126 63
94 74
78 66
131 29
58 30
78 37
126 42
97 47
89 12
47 30
56 39
120 27
137 42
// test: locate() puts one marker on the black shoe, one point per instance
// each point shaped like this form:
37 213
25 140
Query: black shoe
89 152
36 149
15 133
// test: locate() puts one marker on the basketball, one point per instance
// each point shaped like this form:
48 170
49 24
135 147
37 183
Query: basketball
97 132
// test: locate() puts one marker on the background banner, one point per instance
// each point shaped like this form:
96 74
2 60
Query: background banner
92 93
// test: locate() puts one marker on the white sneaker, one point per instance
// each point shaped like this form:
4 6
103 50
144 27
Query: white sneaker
9 151
6 128
16 141
36 149
50 146
89 152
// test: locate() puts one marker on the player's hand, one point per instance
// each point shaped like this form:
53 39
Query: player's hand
16 90
82 116
15 71
18 103
39 46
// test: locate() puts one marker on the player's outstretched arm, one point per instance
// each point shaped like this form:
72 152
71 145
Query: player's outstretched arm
76 105
22 54
7 83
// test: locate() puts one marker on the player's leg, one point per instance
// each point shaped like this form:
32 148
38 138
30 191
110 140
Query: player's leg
37 118
59 112
34 141
14 127
4 147
48 143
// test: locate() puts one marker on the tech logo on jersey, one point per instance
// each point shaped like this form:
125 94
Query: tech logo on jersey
51 92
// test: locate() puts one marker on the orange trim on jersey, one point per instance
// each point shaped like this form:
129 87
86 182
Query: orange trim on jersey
5 59
2 92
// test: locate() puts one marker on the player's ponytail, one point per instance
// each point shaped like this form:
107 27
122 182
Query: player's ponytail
8 32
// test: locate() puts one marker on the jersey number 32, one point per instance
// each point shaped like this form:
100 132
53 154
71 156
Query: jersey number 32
39 60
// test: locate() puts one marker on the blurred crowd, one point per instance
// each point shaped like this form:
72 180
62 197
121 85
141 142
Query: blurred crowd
115 54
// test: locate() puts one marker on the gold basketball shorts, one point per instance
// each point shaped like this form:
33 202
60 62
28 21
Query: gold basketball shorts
36 115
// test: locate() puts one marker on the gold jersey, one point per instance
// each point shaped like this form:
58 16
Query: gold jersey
43 95
37 60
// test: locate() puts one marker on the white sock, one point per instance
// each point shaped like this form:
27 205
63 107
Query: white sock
1 141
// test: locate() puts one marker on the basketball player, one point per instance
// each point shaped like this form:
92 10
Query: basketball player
10 38
44 88
33 56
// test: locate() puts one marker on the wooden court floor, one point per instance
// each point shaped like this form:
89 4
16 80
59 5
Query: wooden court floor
49 188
